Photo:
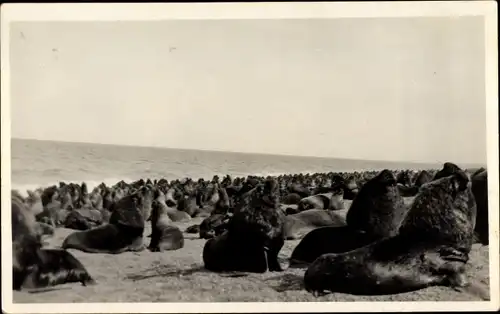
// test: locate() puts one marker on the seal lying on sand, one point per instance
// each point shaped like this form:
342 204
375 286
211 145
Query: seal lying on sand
333 200
56 267
123 233
33 266
254 237
431 248
164 236
297 225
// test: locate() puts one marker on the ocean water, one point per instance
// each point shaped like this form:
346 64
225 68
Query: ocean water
41 163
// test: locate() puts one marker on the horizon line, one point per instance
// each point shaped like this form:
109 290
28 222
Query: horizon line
479 164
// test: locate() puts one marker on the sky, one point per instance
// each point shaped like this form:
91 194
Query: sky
395 89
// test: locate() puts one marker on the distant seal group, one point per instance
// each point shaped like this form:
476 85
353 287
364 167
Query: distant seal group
403 231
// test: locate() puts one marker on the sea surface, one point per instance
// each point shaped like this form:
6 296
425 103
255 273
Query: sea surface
41 163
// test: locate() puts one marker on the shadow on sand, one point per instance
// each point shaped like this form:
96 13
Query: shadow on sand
287 282
167 271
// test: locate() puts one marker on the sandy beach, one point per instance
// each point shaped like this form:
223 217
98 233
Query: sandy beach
179 276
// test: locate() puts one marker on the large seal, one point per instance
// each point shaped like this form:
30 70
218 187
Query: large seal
33 266
297 225
123 233
379 208
57 267
431 248
254 237
26 241
164 236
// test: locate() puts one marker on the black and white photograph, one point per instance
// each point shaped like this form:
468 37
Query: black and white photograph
303 156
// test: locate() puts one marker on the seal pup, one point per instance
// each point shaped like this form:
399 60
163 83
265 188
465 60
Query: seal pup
254 237
379 208
431 248
164 236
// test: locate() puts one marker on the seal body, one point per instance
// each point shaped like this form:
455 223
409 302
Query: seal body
480 191
213 226
33 266
384 267
331 200
332 239
164 236
254 236
106 239
431 247
379 208
297 225
57 267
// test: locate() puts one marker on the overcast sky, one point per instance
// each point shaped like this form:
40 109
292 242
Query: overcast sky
409 89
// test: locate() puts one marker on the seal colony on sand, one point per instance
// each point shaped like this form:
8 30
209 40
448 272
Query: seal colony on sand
381 246
431 247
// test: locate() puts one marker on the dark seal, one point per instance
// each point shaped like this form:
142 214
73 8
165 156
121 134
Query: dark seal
123 233
378 209
431 248
254 237
34 267
480 191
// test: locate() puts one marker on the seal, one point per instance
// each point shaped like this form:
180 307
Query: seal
291 199
297 225
333 200
164 236
480 191
33 266
57 267
431 248
172 212
254 237
379 208
323 240
213 226
83 219
123 233
26 241
105 239
193 229
422 177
